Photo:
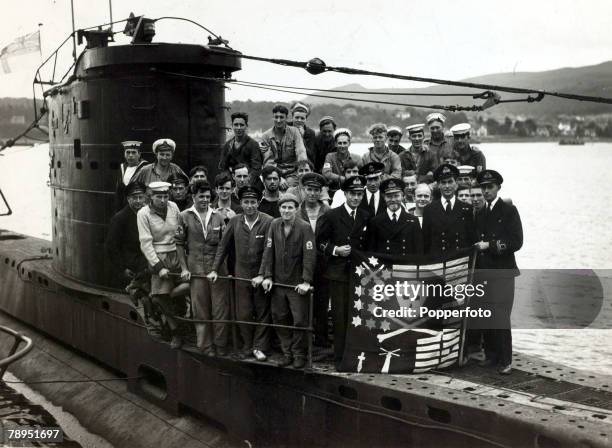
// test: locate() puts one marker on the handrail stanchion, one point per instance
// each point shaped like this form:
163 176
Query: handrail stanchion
232 297
310 329
13 355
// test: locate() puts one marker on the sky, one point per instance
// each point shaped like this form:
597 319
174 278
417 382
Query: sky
440 39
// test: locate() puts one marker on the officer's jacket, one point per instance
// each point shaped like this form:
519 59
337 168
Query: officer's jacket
502 229
200 248
401 238
443 232
365 206
248 245
337 228
289 259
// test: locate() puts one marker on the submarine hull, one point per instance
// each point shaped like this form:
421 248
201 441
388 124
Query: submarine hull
267 405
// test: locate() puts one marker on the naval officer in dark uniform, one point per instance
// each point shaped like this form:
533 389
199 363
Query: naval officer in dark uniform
339 231
394 232
373 202
500 232
448 224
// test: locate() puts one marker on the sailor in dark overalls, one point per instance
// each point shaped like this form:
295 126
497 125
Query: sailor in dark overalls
448 224
500 233
339 231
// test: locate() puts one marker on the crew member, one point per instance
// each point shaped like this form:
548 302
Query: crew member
299 190
324 142
198 173
410 182
394 137
335 162
199 231
500 234
477 198
224 203
395 232
289 258
131 166
123 246
373 202
339 231
448 224
463 194
422 196
351 169
311 209
162 168
418 158
299 115
283 146
438 143
467 154
271 179
467 176
241 148
157 229
179 191
381 153
245 236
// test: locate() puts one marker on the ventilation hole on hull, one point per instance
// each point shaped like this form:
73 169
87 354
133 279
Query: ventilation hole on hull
105 306
79 165
391 403
59 164
438 415
93 165
543 441
152 382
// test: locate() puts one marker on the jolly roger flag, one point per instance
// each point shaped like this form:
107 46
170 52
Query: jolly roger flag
387 330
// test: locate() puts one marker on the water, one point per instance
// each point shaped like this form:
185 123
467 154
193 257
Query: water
561 193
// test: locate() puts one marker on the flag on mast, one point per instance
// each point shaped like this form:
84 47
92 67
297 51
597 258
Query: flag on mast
23 45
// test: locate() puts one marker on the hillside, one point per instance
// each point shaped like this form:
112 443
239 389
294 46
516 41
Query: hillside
594 80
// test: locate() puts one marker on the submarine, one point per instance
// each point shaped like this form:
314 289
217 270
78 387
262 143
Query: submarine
64 294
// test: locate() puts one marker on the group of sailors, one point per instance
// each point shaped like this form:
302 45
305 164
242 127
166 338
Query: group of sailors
283 215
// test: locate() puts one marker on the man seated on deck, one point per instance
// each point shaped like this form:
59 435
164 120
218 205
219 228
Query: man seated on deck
123 246
162 168
199 232
245 236
157 227
289 258
241 148
380 153
282 146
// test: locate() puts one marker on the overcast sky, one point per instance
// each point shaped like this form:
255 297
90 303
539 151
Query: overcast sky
441 38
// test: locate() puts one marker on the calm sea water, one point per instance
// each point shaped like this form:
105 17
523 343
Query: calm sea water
561 192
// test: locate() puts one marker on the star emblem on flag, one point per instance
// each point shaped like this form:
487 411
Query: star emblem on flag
358 304
356 321
371 308
371 324
385 326
373 261
359 271
358 291
386 274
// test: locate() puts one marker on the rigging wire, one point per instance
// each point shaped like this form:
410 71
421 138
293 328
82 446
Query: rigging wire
316 66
